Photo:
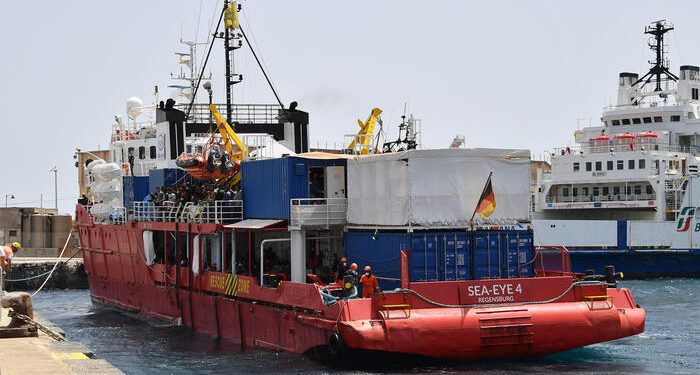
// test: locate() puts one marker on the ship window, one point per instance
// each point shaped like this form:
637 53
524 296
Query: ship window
565 192
649 189
625 121
142 153
647 120
656 165
658 119
616 122
596 191
616 190
574 192
695 94
630 164
588 166
628 190
675 118
12 233
152 152
584 191
188 149
576 167
620 165
606 190
642 163
610 165
598 166
636 121
637 190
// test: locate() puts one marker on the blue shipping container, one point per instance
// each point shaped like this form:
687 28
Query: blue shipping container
135 188
164 177
270 184
381 251
502 254
440 256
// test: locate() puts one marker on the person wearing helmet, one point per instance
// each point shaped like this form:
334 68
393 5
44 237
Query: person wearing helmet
6 254
341 268
369 282
350 281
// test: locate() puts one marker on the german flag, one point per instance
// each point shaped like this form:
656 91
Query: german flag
487 201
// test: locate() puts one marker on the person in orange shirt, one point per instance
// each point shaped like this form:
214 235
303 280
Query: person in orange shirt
6 254
369 283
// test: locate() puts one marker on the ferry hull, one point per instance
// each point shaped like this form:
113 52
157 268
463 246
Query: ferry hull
639 264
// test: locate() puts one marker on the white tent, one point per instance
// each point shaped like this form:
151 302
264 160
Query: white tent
436 187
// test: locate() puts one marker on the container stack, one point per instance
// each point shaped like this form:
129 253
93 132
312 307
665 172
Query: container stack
422 201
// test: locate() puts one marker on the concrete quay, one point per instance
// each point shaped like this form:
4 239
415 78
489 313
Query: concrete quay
43 355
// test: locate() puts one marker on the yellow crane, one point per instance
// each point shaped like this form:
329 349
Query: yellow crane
364 135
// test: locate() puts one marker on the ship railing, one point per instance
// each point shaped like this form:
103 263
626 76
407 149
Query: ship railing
216 212
600 198
625 147
241 113
552 261
317 212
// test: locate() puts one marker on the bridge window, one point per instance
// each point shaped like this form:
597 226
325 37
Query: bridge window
615 122
642 163
647 120
576 167
610 165
152 152
625 121
636 121
588 166
630 164
620 165
658 119
675 118
142 153
598 166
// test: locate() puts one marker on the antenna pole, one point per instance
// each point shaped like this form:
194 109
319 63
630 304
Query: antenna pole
228 69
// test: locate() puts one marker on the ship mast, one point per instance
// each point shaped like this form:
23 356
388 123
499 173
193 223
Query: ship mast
660 66
232 42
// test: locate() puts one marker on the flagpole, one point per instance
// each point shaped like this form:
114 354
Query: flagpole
471 221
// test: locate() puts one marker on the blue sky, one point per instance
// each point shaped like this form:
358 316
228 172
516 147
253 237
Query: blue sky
503 73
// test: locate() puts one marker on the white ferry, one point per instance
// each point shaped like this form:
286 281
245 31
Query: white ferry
626 195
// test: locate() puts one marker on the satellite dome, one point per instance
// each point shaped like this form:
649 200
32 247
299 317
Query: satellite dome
134 106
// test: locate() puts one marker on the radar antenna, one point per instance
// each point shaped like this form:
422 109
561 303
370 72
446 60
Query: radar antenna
660 66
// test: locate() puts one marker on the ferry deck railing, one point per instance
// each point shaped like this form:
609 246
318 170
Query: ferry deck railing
241 113
317 212
623 147
600 198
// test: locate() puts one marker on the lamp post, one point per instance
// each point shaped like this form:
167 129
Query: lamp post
12 196
55 186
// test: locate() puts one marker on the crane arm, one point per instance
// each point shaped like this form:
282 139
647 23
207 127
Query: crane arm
364 135
227 133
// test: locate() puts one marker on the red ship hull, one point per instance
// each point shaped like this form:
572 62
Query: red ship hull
422 320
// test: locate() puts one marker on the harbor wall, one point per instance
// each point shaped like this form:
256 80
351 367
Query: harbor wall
69 275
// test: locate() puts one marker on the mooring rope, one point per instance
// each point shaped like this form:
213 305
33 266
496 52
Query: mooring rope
45 273
65 245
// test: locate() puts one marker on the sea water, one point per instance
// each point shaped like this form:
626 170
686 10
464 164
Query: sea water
670 343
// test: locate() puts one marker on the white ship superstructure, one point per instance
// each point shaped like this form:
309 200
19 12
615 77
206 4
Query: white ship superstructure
635 165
